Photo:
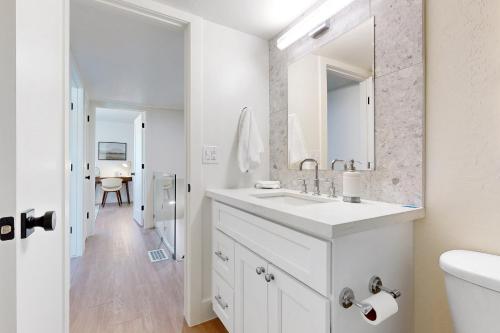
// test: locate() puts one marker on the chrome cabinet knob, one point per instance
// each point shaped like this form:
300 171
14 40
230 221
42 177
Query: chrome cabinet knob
221 256
260 270
222 304
269 277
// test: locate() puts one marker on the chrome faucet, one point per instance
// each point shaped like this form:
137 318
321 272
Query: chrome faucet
333 193
316 177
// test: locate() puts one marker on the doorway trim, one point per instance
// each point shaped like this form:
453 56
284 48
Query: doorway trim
196 309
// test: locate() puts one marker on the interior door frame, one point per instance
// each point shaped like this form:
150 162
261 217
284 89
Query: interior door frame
142 116
78 111
196 309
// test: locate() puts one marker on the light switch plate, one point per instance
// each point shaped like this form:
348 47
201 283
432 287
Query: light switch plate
210 155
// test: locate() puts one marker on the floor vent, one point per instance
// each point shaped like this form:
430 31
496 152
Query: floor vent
157 255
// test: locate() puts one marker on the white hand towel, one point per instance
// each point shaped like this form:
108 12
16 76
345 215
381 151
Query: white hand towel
296 145
250 144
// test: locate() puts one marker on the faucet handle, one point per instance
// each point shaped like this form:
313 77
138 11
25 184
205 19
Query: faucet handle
331 188
304 184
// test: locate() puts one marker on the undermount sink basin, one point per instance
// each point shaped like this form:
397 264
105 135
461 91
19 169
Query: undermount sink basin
292 199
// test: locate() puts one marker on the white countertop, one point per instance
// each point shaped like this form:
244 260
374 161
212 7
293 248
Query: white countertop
325 220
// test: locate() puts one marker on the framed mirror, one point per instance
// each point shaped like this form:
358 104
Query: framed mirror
331 101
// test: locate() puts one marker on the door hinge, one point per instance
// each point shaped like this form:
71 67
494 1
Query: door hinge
189 188
72 106
368 99
142 207
143 125
88 166
88 118
88 215
142 166
71 167
70 230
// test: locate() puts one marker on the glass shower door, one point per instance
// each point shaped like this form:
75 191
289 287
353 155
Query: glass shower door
164 209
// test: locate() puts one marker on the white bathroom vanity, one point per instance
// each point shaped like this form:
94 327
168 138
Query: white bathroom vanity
281 260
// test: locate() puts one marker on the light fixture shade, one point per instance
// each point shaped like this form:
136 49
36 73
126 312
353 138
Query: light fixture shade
311 21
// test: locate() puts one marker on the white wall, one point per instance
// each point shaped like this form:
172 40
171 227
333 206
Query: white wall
344 121
165 146
236 74
114 131
304 97
463 147
165 151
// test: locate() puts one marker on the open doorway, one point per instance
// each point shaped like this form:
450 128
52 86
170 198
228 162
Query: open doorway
130 70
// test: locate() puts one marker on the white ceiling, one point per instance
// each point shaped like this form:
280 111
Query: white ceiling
263 18
114 115
127 58
354 47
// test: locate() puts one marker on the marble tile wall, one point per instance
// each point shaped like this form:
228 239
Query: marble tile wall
399 100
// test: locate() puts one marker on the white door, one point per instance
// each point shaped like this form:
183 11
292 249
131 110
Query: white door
138 178
34 166
8 165
295 308
250 299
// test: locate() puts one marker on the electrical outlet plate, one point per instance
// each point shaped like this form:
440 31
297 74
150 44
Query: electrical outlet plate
210 155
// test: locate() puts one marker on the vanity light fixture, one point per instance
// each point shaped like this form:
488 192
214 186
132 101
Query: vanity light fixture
312 22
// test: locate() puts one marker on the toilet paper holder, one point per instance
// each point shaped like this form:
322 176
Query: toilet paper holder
375 286
347 298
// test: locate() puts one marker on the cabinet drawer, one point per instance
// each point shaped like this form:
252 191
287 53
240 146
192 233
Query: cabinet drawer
223 301
304 257
223 256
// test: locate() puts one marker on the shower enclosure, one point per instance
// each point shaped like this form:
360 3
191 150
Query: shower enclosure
169 211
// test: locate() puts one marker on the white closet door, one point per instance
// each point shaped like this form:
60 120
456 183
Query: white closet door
250 292
295 308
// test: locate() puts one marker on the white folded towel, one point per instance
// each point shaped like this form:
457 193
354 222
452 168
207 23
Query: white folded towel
250 144
296 143
268 184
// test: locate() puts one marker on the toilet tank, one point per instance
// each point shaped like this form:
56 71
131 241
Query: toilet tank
473 288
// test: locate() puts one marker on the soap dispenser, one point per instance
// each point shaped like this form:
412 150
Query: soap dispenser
351 183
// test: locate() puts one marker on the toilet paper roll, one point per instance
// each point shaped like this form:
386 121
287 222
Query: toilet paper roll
384 306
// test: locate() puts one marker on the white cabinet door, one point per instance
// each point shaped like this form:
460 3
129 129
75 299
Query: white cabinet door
295 308
250 292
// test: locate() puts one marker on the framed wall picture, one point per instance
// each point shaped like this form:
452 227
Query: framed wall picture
112 151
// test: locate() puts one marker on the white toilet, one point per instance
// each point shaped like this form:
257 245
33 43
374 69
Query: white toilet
473 287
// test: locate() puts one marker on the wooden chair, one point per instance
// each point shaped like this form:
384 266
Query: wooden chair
111 185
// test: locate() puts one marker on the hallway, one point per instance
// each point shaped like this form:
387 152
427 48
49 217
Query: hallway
115 288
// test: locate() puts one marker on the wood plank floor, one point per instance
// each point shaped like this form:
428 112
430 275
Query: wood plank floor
115 288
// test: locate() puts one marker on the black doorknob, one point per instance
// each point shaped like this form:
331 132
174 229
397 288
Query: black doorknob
87 177
29 222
